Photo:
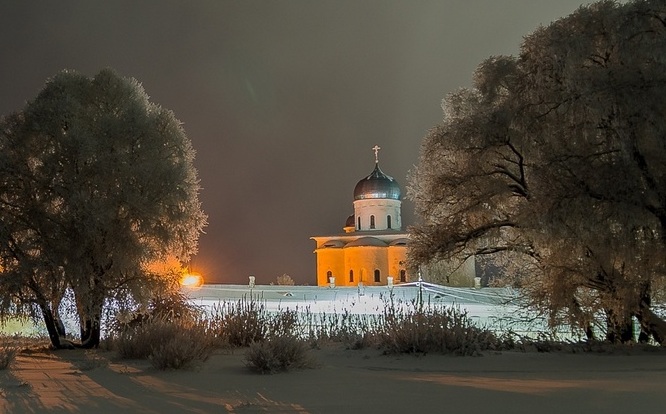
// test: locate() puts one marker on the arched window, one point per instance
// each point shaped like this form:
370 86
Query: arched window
403 276
359 224
388 222
378 275
372 222
351 276
329 274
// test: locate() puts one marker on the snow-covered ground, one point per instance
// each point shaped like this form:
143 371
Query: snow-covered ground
494 308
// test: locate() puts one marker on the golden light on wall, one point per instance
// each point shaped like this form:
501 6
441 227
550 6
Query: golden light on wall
191 280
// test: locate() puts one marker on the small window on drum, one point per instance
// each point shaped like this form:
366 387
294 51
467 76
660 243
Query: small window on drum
388 222
359 224
378 276
403 276
351 276
372 222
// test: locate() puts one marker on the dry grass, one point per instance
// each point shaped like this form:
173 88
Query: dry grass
279 341
239 324
10 346
173 334
279 354
183 349
433 329
352 330
167 343
400 328
7 356
406 328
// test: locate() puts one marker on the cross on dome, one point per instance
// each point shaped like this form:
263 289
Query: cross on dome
376 149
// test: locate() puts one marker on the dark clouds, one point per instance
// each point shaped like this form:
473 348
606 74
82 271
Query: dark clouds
282 100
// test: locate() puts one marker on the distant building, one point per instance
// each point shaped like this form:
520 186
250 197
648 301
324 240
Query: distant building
373 247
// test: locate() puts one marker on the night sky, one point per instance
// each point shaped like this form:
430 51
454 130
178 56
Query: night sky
283 100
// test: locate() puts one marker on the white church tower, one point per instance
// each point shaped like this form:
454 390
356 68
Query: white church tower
373 248
377 201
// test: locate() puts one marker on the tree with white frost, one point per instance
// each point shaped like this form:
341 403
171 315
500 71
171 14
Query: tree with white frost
555 161
97 183
285 280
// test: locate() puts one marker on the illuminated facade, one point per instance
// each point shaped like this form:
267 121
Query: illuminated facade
373 247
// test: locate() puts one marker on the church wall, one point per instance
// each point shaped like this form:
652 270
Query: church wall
380 209
397 259
330 259
363 260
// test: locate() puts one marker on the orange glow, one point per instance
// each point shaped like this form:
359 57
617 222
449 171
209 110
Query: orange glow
191 280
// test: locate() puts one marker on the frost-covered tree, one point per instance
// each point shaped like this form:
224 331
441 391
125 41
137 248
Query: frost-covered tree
285 280
97 183
555 161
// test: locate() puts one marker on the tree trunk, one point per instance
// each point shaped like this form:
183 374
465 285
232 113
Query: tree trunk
589 332
92 334
645 301
56 300
51 326
60 326
584 322
85 326
90 325
89 305
619 327
652 324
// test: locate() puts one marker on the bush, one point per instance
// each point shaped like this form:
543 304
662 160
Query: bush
280 353
405 328
136 342
170 305
433 329
170 332
277 341
284 323
7 356
173 305
166 343
240 323
181 350
353 331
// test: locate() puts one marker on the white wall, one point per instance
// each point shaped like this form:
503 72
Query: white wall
380 209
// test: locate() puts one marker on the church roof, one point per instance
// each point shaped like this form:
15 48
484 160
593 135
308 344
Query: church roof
400 242
334 243
377 185
367 241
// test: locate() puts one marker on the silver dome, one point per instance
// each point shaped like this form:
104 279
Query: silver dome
377 185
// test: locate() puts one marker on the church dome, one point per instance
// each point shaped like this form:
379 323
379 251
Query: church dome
377 185
351 222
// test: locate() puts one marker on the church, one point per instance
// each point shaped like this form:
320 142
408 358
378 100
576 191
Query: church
372 250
